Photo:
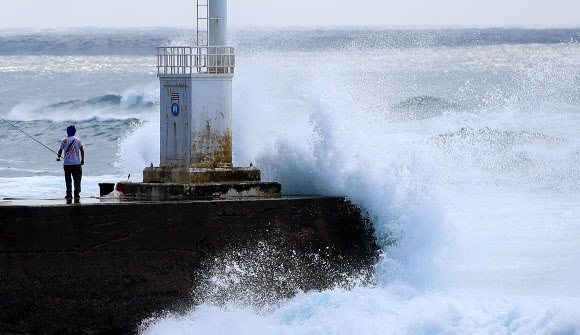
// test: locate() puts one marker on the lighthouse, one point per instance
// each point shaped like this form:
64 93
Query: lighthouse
196 94
196 119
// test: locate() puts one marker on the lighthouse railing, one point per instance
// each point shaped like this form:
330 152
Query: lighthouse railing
195 60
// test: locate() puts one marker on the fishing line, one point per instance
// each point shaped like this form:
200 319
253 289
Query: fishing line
29 136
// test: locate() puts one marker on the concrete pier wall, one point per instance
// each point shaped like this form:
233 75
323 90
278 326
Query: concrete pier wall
103 268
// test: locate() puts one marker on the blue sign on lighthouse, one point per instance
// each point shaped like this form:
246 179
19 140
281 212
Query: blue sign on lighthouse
175 109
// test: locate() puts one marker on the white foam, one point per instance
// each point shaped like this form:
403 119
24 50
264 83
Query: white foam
391 310
134 104
49 186
139 148
138 96
474 207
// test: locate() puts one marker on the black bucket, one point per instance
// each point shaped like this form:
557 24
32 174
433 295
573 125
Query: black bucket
106 188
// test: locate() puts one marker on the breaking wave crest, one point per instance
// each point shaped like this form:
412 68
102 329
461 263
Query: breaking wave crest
133 104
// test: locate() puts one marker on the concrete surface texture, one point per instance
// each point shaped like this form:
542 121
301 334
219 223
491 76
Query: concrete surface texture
102 268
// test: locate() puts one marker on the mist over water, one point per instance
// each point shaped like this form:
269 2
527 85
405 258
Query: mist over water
462 148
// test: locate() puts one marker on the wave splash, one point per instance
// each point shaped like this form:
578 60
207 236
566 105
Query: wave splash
139 148
392 190
410 294
431 184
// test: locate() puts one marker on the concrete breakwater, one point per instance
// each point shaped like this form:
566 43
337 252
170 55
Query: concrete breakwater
103 268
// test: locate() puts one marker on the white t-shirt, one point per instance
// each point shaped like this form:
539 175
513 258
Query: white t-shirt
70 147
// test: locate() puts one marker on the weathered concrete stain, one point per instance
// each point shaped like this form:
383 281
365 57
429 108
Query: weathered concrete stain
214 149
201 135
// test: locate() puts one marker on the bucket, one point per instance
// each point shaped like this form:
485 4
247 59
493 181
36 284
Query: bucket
120 187
106 188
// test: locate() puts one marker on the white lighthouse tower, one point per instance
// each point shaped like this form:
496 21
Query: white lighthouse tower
196 94
196 119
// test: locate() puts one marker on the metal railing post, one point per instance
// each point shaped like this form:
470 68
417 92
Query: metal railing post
192 60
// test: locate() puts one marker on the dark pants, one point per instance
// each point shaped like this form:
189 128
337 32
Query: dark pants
76 172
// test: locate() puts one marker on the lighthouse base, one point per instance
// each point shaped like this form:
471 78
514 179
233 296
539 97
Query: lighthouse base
165 174
229 190
169 183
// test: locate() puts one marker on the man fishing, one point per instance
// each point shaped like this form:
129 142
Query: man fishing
74 158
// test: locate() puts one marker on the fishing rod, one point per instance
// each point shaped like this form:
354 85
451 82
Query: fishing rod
29 136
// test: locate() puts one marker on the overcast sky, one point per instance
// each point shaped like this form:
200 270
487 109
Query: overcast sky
319 13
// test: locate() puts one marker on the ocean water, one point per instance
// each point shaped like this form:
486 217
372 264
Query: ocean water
461 144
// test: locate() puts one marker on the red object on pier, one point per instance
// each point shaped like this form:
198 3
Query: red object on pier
120 187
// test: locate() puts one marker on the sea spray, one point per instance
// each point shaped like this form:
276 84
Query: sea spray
391 187
465 137
408 251
139 147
